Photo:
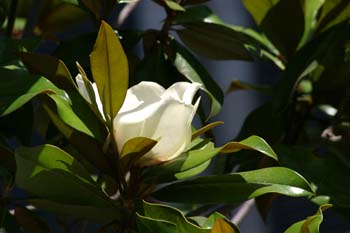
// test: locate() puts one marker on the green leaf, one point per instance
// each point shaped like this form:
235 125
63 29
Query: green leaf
236 187
251 143
283 24
206 128
17 87
215 41
221 226
194 71
44 170
89 148
170 214
195 160
311 224
255 44
333 12
75 111
93 212
134 149
212 219
149 225
311 9
109 67
174 6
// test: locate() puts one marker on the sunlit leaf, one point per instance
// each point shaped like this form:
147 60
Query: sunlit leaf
311 224
44 170
221 226
236 187
196 159
109 67
17 87
171 215
206 128
174 6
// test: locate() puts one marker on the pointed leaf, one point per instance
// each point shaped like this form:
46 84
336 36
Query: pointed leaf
56 71
172 215
17 87
236 187
206 128
195 160
109 67
251 143
174 6
221 226
93 212
44 170
311 224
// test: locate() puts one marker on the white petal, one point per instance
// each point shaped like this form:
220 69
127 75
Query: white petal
82 88
171 125
182 91
143 93
98 101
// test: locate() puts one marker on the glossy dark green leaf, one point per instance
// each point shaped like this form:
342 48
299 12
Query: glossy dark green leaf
109 67
283 24
170 214
44 170
251 143
196 160
257 45
333 12
93 212
89 148
236 187
75 111
311 11
194 71
149 225
212 219
17 87
311 224
320 51
215 41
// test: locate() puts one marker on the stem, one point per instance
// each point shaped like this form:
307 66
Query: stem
11 17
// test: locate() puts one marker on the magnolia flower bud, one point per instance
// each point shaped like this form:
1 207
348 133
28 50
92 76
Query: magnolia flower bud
163 115
153 112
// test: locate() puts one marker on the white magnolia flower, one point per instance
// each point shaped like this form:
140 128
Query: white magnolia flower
153 112
163 115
